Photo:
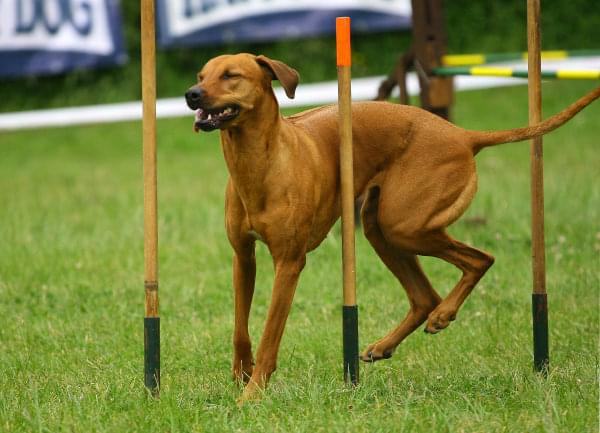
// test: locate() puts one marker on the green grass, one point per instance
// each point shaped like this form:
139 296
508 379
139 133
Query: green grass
71 294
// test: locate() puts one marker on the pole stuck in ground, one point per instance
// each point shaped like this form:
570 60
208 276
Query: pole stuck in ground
539 296
349 309
151 318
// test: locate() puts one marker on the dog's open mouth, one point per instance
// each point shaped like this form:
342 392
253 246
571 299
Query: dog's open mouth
211 119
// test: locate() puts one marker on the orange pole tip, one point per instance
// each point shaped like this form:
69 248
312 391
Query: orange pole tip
342 39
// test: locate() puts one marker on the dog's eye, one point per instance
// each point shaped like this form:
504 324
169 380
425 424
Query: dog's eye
227 75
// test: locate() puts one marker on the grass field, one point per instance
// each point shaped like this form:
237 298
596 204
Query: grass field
71 294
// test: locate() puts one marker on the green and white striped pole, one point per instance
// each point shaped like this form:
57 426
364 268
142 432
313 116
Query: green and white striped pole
481 59
500 71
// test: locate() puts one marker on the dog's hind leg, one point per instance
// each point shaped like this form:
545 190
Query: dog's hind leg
414 211
405 266
472 262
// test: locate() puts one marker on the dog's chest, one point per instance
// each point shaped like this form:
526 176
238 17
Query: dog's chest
277 225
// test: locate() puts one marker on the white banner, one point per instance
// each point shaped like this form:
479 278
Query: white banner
49 36
188 22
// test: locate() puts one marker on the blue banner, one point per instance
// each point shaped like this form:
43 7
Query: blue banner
204 22
40 37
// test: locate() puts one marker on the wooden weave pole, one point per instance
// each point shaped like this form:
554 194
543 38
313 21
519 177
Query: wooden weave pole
349 309
539 296
151 318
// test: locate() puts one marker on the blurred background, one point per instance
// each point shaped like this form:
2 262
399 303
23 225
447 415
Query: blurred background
71 233
70 76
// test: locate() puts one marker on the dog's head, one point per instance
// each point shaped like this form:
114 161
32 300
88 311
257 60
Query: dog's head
230 86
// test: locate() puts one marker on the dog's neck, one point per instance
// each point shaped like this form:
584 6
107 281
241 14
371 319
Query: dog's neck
247 148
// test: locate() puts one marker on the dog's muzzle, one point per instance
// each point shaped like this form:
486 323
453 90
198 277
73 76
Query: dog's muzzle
208 118
194 97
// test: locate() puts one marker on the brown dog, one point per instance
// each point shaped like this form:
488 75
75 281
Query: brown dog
416 169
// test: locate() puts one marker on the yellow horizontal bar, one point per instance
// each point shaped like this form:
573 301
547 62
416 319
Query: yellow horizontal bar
550 55
485 70
463 59
578 75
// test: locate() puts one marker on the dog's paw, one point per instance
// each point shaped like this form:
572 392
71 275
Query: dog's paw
439 319
242 372
375 353
252 393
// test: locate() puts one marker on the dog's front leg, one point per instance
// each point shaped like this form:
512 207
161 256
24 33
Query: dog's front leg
244 275
287 272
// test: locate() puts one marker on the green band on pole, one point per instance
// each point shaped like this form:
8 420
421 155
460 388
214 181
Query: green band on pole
541 358
350 337
152 354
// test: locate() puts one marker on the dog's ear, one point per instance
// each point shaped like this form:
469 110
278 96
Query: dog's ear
287 76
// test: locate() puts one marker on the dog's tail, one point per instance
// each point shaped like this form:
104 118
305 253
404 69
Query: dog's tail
481 139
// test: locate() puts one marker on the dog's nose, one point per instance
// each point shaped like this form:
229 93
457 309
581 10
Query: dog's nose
193 97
